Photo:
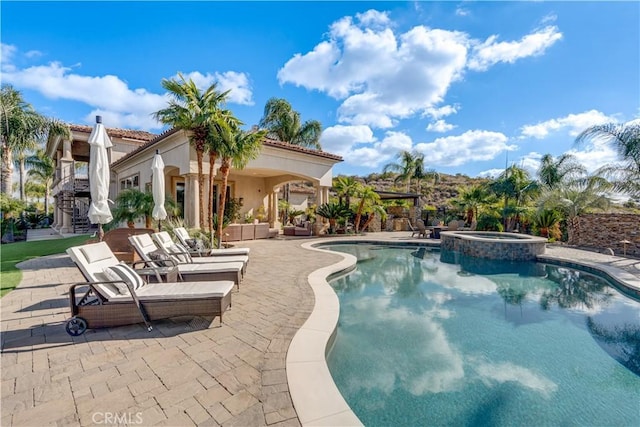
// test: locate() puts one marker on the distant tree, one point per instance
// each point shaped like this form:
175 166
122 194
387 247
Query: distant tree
555 171
43 169
283 123
625 140
346 187
405 167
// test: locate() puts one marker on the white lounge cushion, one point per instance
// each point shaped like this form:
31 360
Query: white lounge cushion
217 259
218 267
229 251
182 290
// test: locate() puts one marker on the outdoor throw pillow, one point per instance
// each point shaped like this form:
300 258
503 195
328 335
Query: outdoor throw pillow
128 275
196 245
159 258
179 253
120 286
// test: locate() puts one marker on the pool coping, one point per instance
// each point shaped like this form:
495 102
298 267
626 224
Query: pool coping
315 396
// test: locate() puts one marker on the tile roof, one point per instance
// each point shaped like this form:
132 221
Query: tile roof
267 141
137 135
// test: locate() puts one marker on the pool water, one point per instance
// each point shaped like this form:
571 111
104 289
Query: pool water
421 342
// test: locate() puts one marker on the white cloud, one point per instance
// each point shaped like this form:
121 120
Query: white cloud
574 123
491 52
491 173
360 147
440 126
473 145
7 52
340 139
108 95
461 11
439 112
381 152
237 83
383 75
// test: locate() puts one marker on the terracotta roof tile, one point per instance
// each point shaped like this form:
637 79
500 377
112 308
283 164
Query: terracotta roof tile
137 135
266 141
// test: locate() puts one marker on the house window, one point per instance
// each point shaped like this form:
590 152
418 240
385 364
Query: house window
129 182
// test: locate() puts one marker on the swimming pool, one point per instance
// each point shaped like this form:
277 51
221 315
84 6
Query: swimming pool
422 342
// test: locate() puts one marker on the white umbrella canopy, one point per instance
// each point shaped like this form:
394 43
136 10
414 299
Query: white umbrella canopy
99 177
157 187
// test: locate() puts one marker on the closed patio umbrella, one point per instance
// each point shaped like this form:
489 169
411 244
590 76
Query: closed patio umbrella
99 177
157 187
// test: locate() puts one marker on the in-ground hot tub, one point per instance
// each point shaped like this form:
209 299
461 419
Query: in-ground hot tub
493 245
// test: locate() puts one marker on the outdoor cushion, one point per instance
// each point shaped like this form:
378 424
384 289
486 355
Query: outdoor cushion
120 287
128 275
159 257
179 252
97 253
182 290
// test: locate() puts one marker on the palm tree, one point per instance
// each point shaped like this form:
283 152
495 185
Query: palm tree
421 173
195 112
238 147
625 140
581 196
283 123
346 187
514 184
42 168
333 212
368 197
213 147
471 199
553 172
406 167
20 127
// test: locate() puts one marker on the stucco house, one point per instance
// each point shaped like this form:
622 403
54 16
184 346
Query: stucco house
258 185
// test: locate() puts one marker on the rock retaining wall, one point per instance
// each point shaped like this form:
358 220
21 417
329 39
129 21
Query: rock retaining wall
602 231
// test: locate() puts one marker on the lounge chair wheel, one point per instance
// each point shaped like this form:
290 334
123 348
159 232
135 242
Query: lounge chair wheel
76 326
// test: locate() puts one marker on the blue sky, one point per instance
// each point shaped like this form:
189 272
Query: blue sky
466 83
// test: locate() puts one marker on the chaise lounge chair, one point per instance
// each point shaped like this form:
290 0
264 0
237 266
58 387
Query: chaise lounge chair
146 249
182 255
117 296
184 239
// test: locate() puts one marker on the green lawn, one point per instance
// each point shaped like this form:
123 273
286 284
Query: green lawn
13 253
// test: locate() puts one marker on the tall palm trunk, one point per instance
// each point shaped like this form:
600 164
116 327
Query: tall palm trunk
224 169
7 171
212 160
23 172
199 155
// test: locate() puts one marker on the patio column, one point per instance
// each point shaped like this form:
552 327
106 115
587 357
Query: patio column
191 206
274 221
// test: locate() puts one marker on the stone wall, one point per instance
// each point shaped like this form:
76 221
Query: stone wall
602 231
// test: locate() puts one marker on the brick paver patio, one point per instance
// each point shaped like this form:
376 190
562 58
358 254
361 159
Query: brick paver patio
183 373
180 374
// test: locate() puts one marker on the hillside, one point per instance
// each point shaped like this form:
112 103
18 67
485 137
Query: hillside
436 195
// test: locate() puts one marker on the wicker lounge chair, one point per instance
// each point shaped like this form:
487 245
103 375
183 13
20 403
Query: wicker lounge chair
129 299
182 254
232 270
183 237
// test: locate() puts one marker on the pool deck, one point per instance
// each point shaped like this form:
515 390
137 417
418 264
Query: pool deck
183 372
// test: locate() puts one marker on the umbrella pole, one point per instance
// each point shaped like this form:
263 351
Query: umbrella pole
159 225
100 233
